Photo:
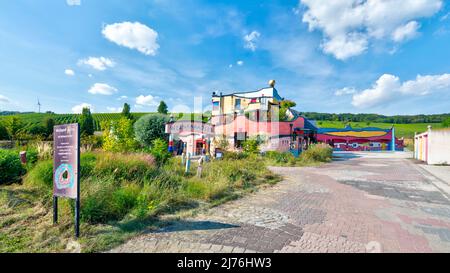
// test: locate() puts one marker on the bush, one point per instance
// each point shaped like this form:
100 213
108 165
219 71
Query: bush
118 136
317 153
160 151
11 169
251 146
150 127
281 157
228 155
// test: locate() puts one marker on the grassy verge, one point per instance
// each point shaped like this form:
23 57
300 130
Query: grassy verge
315 155
122 195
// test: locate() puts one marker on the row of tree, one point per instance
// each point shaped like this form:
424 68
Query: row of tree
398 119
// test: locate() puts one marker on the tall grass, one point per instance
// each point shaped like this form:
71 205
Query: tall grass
115 186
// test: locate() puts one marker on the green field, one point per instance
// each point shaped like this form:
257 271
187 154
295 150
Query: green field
402 130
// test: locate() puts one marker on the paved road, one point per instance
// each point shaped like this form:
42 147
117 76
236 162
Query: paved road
356 204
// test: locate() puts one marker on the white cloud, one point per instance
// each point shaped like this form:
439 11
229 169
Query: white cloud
134 36
69 72
148 100
78 109
345 91
230 66
98 63
389 87
123 98
406 32
240 63
3 99
251 39
73 2
102 89
114 109
348 26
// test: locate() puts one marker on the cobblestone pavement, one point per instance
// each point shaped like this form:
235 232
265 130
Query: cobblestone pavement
358 204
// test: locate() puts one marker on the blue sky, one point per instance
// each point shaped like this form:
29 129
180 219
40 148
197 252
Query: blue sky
387 57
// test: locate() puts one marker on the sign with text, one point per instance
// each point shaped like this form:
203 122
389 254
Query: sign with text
66 160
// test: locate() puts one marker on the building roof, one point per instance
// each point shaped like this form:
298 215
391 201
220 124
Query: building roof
271 92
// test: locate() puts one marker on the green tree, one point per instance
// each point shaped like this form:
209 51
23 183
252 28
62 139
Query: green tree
160 151
446 122
118 135
13 126
162 108
284 106
126 111
37 130
49 123
3 132
86 122
150 127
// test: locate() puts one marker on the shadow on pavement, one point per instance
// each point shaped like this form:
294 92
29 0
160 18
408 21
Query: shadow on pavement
193 225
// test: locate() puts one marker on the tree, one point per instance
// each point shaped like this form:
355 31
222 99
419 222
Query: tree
49 123
126 111
3 132
446 122
86 122
284 106
118 135
37 130
13 126
149 128
162 108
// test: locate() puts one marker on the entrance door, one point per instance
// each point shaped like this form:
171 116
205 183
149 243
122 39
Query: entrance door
239 139
199 144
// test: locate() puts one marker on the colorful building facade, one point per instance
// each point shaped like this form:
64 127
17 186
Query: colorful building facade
364 139
237 117
240 116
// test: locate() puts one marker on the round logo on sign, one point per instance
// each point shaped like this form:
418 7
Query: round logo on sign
64 177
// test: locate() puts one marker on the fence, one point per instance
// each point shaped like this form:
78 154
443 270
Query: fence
433 146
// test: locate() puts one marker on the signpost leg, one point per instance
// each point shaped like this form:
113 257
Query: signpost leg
77 218
55 209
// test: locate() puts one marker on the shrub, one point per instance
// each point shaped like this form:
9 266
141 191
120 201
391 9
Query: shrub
150 127
160 151
280 157
317 153
119 136
11 169
251 146
41 175
229 155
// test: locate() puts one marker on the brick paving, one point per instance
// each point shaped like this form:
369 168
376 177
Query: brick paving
360 204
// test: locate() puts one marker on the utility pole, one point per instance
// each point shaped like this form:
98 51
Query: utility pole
39 106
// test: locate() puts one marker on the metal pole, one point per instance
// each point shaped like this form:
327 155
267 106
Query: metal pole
77 202
55 209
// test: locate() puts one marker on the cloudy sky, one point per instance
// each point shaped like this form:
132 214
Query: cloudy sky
373 56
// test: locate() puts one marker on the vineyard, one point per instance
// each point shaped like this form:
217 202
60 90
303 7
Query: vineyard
30 120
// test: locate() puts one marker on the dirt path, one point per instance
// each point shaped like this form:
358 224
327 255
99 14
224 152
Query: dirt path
357 204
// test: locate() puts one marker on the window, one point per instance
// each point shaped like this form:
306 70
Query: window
237 104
